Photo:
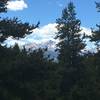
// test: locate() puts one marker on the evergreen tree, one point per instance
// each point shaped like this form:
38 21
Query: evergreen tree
3 8
88 87
96 33
3 5
96 37
27 76
98 6
14 27
70 46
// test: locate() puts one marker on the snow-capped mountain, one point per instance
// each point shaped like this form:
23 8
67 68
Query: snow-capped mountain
44 38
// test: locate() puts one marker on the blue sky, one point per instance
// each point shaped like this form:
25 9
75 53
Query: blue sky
47 11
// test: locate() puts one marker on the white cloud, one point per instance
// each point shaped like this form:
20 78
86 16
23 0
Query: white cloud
16 5
42 36
44 33
47 30
87 31
39 36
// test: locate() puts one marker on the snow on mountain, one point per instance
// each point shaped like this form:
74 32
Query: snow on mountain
43 37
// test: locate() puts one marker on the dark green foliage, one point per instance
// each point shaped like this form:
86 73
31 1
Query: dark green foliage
14 27
3 4
88 87
96 33
70 47
68 32
98 6
27 76
96 36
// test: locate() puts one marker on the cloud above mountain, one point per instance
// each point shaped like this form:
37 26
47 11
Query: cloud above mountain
38 36
43 33
48 32
17 5
85 30
41 37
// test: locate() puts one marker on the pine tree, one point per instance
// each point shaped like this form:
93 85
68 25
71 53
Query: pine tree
96 33
96 36
98 6
69 47
88 87
3 5
3 8
70 44
14 27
